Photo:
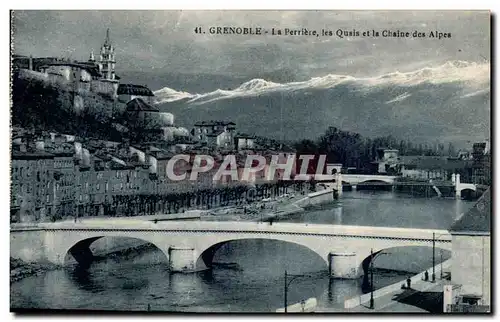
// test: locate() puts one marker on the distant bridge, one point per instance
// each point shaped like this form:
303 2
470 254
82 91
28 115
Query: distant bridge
191 245
384 180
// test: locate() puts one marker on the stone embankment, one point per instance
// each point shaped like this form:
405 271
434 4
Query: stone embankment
20 269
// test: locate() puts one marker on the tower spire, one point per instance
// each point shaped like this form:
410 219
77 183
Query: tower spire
92 58
107 59
107 41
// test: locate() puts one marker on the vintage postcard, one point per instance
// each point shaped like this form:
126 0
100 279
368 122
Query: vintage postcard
251 161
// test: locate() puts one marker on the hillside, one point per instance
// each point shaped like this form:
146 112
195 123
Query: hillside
41 106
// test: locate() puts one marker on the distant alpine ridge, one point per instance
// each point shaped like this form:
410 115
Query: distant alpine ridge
449 102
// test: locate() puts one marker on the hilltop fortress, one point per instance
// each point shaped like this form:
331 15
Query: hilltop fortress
93 87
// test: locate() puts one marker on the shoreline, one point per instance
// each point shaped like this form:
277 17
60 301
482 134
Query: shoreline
20 269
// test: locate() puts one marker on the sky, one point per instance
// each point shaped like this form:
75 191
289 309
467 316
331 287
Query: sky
165 41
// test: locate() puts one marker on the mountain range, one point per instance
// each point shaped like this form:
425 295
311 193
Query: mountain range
449 102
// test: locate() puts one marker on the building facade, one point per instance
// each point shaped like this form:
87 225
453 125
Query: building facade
471 257
215 134
32 184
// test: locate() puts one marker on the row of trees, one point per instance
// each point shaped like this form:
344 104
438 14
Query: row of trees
138 205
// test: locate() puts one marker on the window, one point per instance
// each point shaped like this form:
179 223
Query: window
21 172
47 198
38 176
98 186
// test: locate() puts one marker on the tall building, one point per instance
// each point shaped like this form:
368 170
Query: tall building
32 174
481 163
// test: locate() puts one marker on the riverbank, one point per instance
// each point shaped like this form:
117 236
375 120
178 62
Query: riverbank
271 208
20 269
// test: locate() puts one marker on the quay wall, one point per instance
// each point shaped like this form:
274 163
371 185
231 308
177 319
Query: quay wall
316 198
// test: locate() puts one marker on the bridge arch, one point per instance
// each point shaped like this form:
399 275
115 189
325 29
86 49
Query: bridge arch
374 181
78 247
355 179
366 259
207 252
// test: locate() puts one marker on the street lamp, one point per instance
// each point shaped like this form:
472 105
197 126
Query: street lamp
372 302
434 257
441 255
288 280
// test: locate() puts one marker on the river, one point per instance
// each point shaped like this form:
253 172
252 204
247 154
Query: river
249 274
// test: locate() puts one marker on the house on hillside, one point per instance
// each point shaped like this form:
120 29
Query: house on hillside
244 141
216 134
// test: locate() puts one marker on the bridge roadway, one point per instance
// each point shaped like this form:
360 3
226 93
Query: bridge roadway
191 245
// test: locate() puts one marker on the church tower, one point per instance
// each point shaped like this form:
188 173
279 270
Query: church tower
107 59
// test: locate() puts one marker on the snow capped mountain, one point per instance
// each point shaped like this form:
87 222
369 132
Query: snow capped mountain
472 73
166 95
450 100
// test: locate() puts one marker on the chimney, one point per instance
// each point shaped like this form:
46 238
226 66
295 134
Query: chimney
40 145
30 63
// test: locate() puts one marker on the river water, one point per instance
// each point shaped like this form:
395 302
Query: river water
249 274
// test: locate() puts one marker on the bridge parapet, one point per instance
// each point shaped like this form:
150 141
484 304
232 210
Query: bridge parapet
358 178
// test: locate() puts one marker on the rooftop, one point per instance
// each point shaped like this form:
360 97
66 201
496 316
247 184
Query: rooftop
213 123
216 133
139 105
244 136
131 89
20 155
477 219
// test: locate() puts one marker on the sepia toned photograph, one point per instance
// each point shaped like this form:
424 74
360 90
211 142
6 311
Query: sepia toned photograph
270 161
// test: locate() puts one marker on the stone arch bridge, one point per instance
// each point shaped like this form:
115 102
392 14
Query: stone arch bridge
191 245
